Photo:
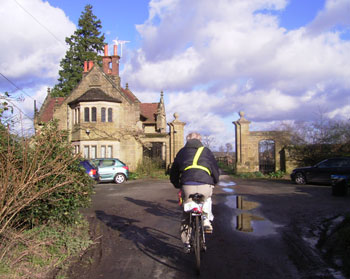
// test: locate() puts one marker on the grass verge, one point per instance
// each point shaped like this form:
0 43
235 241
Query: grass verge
37 252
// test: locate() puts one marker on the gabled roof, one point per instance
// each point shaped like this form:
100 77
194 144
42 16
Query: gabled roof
94 95
49 108
149 111
130 95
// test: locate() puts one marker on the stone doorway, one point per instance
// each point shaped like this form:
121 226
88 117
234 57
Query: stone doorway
267 160
155 152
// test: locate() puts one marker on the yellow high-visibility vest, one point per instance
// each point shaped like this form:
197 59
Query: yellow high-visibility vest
195 161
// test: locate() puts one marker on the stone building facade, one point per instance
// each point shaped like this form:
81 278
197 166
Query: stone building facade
259 151
105 120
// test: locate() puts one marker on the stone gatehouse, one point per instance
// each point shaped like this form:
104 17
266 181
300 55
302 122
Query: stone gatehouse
105 120
259 151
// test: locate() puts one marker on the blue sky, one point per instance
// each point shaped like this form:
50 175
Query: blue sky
278 61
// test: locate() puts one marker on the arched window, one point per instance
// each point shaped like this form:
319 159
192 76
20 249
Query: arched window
110 115
103 114
86 114
93 114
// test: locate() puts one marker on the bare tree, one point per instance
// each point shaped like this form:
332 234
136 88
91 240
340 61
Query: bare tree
228 148
208 140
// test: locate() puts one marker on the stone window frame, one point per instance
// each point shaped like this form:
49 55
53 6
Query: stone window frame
109 151
103 151
103 114
93 152
86 154
93 114
76 115
86 114
76 149
110 115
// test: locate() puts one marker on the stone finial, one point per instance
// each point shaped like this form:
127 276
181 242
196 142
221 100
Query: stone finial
242 119
176 116
127 86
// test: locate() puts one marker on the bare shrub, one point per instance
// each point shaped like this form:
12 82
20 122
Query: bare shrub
40 179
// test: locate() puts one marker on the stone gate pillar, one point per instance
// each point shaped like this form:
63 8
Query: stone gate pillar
176 138
242 143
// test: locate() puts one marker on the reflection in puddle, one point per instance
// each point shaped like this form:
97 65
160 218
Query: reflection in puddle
237 202
226 183
253 224
247 222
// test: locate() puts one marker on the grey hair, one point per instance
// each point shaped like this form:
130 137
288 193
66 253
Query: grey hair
194 136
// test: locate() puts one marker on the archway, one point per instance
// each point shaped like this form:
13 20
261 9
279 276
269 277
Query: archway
267 160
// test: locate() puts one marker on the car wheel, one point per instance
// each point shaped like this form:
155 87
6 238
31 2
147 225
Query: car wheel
119 178
300 178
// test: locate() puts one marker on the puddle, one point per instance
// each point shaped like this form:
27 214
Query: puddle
226 183
228 190
247 222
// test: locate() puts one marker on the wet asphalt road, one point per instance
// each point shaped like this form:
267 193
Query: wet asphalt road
262 229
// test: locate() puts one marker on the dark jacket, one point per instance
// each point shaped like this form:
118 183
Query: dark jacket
184 158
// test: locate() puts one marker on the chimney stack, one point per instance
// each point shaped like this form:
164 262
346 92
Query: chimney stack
110 64
115 50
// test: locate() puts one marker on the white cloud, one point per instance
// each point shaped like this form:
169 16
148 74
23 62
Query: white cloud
166 73
241 58
33 43
33 40
342 113
335 13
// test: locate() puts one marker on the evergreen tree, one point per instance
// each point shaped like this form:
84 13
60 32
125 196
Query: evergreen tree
84 45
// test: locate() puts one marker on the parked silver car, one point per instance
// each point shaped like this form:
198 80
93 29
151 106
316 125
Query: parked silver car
111 169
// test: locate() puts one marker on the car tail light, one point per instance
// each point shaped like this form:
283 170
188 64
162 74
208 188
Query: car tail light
92 172
126 167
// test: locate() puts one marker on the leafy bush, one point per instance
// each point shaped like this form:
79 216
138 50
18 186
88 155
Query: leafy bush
150 167
256 174
277 174
229 169
41 179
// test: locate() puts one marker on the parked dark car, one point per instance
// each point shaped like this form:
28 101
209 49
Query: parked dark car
321 172
90 169
340 184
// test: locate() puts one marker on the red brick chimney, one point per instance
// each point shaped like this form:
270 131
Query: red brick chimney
110 64
88 66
